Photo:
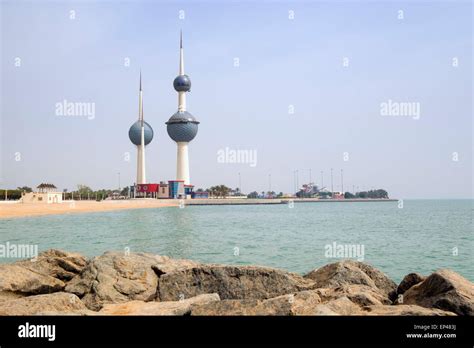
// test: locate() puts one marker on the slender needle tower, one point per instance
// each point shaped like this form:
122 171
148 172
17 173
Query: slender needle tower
140 134
182 127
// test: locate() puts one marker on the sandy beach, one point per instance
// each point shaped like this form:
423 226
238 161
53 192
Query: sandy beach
12 210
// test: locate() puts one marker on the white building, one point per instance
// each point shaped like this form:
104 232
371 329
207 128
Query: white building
46 194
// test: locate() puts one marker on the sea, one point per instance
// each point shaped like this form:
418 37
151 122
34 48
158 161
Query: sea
416 236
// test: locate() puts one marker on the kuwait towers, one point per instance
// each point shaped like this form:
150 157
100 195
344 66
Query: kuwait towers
140 134
182 127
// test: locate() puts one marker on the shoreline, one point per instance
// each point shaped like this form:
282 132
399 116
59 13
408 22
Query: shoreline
20 210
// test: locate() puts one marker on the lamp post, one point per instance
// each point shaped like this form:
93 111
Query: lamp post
332 186
269 183
294 181
240 184
342 181
297 181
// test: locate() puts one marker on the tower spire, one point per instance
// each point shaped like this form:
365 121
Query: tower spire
140 102
181 54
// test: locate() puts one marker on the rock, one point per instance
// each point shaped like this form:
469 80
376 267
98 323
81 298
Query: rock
75 312
340 306
17 281
361 295
230 282
169 265
59 302
182 307
404 310
116 277
351 272
445 290
228 307
56 263
300 303
408 281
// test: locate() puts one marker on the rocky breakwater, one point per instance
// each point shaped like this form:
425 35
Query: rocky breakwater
63 283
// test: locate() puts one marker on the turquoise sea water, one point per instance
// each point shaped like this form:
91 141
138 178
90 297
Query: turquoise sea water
420 237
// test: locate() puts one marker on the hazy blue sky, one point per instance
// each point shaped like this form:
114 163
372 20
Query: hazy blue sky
283 62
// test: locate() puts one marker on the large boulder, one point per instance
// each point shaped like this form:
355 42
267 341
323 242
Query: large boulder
404 310
182 307
408 281
59 303
230 282
17 281
56 263
116 277
352 272
445 290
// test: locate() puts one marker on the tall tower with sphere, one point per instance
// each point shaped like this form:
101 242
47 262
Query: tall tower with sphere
182 127
140 134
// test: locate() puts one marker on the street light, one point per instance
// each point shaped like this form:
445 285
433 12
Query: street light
342 181
297 181
294 181
332 186
240 184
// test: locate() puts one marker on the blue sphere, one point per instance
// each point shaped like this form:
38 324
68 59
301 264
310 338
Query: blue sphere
182 127
182 83
135 133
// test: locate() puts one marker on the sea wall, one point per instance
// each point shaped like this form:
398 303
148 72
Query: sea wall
257 201
117 283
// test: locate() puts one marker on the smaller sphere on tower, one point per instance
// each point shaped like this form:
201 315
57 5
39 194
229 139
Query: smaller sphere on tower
182 83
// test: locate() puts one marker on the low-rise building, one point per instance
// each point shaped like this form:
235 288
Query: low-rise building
46 194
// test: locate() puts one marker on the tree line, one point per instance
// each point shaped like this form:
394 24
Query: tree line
84 192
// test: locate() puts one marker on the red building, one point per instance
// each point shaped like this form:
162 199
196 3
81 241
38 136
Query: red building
148 188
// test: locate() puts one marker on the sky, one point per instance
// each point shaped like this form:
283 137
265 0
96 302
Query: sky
303 86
